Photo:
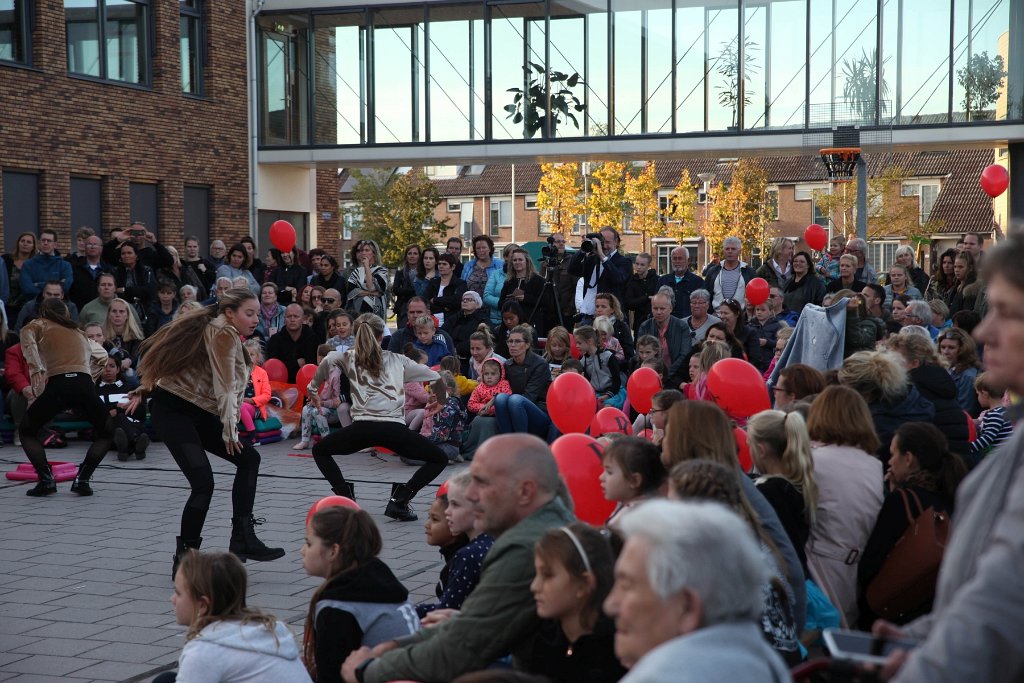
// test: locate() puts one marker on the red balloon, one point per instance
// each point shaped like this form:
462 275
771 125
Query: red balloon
442 490
303 377
643 384
757 291
816 237
743 449
571 402
574 350
282 235
647 434
276 370
994 180
738 388
579 461
610 420
330 501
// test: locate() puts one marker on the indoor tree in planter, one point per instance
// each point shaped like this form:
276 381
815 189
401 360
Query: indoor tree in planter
981 79
529 107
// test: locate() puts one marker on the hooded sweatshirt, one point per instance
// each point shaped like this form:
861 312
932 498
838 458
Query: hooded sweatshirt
363 606
483 393
236 652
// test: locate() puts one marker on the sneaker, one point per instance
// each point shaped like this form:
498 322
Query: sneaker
141 444
301 446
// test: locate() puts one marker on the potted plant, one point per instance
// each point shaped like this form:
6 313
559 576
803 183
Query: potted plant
529 106
981 78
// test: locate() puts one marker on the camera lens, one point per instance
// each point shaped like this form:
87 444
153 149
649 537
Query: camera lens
587 247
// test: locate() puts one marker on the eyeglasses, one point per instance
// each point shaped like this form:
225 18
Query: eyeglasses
328 299
784 390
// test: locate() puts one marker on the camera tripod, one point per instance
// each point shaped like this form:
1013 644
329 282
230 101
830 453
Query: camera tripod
549 286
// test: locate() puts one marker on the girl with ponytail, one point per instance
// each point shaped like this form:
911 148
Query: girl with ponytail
781 450
377 379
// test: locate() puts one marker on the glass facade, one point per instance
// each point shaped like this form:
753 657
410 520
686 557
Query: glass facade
576 69
14 33
108 39
190 23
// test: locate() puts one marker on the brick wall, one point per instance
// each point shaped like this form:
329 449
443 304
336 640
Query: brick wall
61 126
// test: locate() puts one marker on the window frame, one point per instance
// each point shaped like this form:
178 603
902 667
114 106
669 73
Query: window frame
530 202
23 20
146 39
499 201
350 217
876 254
770 192
197 14
808 189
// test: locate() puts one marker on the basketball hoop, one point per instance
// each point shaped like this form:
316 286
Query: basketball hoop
840 163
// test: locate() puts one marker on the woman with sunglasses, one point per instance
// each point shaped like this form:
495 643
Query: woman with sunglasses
367 281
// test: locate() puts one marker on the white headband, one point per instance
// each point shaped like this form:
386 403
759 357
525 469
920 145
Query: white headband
579 547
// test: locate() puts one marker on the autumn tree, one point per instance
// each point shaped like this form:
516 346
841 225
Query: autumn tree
641 194
889 213
396 210
606 199
558 197
682 208
740 209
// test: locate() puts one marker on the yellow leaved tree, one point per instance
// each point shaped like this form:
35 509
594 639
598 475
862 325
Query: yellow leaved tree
681 212
605 201
641 193
740 209
558 197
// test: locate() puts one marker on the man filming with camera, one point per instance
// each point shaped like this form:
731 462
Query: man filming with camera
601 265
554 264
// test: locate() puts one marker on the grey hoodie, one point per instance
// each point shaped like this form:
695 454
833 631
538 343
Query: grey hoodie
233 652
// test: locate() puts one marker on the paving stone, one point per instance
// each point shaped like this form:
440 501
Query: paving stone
48 665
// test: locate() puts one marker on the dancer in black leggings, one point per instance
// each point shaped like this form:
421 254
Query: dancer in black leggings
196 371
62 363
378 382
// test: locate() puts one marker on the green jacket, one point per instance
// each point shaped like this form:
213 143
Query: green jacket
497 618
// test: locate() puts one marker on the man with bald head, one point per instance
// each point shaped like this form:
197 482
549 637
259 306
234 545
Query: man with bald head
514 497
295 345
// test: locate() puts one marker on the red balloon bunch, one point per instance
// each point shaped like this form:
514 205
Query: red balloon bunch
578 457
303 378
276 370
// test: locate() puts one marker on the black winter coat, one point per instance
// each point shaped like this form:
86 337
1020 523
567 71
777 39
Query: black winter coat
937 386
889 416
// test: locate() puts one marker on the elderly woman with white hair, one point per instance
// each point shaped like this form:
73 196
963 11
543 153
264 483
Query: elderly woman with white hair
687 597
463 324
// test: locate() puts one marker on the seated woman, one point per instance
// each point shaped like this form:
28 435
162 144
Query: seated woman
463 324
125 336
529 377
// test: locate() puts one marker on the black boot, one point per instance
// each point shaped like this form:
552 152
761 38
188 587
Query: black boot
81 484
347 490
181 545
244 543
46 485
398 507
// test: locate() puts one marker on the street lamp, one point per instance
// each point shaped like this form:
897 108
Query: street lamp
707 179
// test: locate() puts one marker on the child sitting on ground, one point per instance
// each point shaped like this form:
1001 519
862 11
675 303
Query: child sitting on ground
129 430
360 603
416 395
339 330
465 385
434 347
334 408
444 420
661 402
606 337
601 367
464 568
227 641
633 472
572 365
481 401
647 348
557 349
257 393
447 543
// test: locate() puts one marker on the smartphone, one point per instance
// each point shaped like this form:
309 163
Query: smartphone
860 646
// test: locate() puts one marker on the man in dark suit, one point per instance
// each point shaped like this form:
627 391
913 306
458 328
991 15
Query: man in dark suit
604 269
682 281
674 336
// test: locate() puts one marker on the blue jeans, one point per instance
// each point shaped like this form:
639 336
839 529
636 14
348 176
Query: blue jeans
517 413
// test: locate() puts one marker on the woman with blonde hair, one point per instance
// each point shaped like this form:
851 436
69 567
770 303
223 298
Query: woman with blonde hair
366 281
124 335
960 352
377 379
700 430
195 371
849 481
778 270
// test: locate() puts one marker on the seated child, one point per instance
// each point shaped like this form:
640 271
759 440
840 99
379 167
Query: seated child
606 337
257 392
444 420
557 349
360 603
447 543
481 401
434 347
464 568
226 640
334 407
129 430
633 472
766 327
572 365
453 365
601 367
647 347
339 330
416 395
993 426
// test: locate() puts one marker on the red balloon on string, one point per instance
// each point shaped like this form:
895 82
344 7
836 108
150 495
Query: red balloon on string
276 370
757 291
816 237
994 180
610 420
738 388
574 350
647 434
303 377
743 449
571 402
282 235
578 457
643 384
330 501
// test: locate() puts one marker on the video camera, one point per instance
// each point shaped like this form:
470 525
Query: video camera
586 246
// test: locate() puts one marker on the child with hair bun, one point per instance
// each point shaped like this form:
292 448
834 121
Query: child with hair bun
633 472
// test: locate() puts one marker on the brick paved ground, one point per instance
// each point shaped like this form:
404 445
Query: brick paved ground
85 582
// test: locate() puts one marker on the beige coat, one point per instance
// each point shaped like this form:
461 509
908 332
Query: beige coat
51 349
850 493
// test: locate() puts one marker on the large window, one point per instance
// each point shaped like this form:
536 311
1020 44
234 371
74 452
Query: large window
21 206
87 204
144 201
14 33
284 82
192 46
108 39
926 192
501 215
881 255
197 213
